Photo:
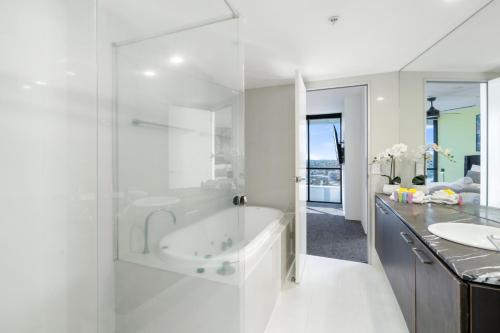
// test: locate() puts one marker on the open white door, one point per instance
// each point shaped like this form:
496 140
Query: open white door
300 177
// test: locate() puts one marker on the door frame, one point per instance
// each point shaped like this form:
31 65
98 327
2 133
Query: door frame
368 206
337 115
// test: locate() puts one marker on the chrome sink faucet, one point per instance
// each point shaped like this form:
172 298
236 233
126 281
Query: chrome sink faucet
146 225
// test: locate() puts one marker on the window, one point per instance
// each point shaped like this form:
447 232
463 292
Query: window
431 136
324 170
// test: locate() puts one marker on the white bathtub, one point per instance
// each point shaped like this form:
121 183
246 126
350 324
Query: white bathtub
223 240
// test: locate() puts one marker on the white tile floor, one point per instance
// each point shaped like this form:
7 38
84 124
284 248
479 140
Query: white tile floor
337 296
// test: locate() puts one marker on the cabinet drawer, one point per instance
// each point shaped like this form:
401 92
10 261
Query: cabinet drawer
440 297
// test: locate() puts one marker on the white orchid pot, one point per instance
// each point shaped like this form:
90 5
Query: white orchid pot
389 189
422 188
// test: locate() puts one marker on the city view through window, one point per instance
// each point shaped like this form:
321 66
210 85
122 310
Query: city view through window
324 171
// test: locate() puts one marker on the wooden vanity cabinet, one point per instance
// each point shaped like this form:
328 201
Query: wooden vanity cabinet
440 297
431 298
393 243
484 309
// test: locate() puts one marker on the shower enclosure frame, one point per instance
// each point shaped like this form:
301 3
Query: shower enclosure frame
234 15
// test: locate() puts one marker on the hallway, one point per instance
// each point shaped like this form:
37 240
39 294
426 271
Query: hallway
330 235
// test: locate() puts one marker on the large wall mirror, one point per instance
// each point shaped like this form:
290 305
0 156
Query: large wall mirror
450 96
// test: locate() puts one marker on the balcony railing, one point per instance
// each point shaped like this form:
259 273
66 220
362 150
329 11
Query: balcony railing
325 185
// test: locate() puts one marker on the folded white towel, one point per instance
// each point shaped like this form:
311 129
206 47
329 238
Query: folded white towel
444 197
420 197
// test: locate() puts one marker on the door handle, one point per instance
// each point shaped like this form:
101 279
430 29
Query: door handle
406 238
381 209
299 179
421 256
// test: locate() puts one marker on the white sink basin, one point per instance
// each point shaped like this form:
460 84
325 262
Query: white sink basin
474 235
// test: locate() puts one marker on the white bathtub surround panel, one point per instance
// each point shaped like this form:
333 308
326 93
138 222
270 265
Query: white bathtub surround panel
338 296
164 301
262 288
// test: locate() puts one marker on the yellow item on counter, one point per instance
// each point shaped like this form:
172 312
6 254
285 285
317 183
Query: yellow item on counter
407 190
449 192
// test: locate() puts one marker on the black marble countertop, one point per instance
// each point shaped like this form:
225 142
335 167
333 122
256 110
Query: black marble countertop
469 263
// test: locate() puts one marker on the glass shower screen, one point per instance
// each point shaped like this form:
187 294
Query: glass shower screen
178 164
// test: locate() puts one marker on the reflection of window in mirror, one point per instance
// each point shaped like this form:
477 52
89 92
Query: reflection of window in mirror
453 114
493 125
222 144
431 136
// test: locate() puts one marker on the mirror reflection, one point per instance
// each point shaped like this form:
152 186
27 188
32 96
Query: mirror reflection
450 109
453 123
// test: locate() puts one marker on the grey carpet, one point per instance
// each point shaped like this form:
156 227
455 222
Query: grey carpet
331 235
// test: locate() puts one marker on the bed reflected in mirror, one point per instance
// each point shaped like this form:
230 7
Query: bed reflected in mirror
453 131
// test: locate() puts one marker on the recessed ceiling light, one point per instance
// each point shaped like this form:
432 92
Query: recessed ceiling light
334 19
380 99
149 73
26 86
176 60
41 83
69 73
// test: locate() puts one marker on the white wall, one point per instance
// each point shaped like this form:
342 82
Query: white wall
355 144
269 146
48 145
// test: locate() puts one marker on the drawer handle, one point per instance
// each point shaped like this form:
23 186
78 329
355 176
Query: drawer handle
422 257
406 238
381 209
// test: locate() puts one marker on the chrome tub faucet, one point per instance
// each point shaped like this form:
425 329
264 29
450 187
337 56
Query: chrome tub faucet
146 225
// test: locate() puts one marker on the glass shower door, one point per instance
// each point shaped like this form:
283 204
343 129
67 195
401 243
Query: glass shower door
178 167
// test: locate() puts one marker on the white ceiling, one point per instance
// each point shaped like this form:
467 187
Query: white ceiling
371 37
281 36
473 47
453 95
129 19
325 101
